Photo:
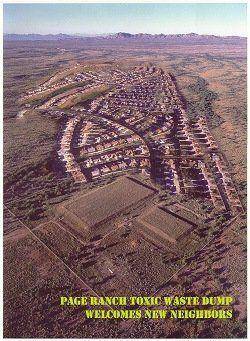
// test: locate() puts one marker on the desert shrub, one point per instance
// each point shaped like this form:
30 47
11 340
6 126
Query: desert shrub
204 103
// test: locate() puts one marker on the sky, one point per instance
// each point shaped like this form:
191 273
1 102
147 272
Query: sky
167 18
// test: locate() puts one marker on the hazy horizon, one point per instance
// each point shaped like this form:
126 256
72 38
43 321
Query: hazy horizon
222 19
110 33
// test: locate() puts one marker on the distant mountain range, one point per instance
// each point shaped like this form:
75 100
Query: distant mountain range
190 38
170 37
59 36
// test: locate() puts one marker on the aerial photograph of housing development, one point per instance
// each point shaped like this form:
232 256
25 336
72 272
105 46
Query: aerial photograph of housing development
124 165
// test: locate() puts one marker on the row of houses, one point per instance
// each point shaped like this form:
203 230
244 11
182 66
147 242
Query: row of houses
127 164
228 190
194 175
203 135
114 149
115 155
59 100
68 80
65 154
